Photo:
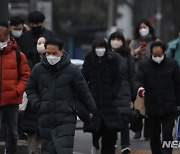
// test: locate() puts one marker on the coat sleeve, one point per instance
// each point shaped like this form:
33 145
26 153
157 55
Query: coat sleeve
139 78
132 73
81 88
117 76
32 89
177 82
24 74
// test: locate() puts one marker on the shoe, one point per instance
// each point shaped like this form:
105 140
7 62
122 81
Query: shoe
94 150
137 135
126 150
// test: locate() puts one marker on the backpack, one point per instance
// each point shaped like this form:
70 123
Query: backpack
18 59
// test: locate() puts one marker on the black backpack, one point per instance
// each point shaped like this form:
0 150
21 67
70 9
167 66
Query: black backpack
18 59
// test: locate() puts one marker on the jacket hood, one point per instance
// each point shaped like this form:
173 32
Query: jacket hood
100 42
124 50
61 64
12 45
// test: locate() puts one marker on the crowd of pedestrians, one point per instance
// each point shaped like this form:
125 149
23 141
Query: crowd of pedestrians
33 60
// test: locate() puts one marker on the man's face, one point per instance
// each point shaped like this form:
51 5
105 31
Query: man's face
157 51
53 50
40 24
17 27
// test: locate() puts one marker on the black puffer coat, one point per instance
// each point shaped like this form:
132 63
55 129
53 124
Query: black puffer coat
127 68
162 86
104 82
49 89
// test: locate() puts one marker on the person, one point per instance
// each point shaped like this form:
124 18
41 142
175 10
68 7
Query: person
140 49
173 49
50 89
40 46
101 71
13 82
17 27
28 40
117 44
158 79
30 119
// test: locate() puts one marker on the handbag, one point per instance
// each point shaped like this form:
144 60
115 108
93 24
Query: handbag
178 129
80 110
139 105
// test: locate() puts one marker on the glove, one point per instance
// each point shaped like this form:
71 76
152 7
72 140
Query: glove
141 92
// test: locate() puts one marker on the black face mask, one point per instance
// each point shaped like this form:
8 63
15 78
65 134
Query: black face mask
37 30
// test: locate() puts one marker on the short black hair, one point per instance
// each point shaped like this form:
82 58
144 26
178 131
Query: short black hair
14 21
4 24
55 41
158 44
36 17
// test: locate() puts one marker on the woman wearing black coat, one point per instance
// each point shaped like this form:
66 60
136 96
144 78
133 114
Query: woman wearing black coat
117 44
102 73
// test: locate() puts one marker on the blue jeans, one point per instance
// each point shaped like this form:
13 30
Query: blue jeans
10 113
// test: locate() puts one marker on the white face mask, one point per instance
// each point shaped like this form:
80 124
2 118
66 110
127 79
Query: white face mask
41 48
17 33
53 59
116 44
144 31
3 45
100 51
158 59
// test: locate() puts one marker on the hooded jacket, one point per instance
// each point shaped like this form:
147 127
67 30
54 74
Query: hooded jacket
104 81
51 89
11 87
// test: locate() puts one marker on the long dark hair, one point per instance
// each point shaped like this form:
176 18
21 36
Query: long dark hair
151 29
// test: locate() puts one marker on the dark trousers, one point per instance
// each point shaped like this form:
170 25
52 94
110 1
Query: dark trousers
125 141
10 113
139 126
108 140
157 125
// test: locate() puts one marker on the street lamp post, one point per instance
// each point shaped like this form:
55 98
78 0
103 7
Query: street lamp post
4 11
158 18
32 5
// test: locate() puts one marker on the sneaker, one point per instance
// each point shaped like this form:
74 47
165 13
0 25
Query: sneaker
126 150
94 150
137 135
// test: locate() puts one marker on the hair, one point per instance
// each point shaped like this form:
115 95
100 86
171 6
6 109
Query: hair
101 42
4 24
36 17
14 21
54 41
117 34
158 44
151 29
4 31
124 50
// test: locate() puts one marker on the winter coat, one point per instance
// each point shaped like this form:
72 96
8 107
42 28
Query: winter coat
104 81
173 50
141 56
127 68
27 43
51 89
12 88
162 86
